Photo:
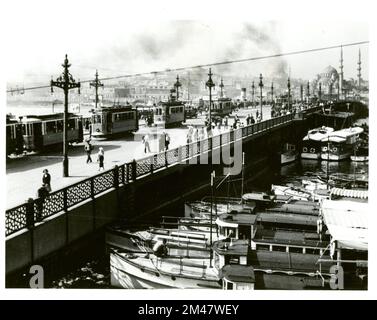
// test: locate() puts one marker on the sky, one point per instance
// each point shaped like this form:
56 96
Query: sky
114 41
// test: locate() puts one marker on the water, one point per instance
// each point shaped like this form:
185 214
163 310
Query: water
95 273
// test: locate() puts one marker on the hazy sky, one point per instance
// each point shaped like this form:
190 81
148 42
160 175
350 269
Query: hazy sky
116 42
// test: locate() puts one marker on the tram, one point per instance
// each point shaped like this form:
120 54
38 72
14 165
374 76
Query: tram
170 113
110 121
14 140
221 107
43 131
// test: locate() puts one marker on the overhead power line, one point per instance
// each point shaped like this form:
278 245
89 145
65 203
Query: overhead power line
277 55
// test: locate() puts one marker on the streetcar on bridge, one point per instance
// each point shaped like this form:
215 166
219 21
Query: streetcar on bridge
108 122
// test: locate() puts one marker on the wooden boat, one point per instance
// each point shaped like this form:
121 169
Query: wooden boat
360 154
247 256
298 193
289 154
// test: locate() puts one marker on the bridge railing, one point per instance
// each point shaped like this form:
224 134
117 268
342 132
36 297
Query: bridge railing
33 211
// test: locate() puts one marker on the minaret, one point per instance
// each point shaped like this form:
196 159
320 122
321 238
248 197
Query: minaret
359 71
341 75
221 88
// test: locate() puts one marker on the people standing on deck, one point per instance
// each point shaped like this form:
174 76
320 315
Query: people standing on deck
101 159
46 180
42 194
88 148
160 249
252 120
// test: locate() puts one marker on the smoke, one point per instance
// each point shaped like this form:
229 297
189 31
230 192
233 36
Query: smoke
188 43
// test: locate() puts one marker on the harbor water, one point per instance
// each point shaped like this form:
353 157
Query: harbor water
94 271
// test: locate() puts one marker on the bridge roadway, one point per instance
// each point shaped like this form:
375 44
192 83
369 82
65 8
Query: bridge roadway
74 215
24 175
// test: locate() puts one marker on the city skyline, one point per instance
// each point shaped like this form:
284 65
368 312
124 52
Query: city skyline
156 46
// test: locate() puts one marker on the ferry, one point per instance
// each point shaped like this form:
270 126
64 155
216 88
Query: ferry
311 143
339 145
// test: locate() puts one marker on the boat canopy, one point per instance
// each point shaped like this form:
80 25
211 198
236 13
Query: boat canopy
238 273
350 193
347 222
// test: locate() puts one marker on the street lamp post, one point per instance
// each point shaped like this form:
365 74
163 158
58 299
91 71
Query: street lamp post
65 82
96 83
177 85
289 94
272 93
261 95
320 92
252 93
210 85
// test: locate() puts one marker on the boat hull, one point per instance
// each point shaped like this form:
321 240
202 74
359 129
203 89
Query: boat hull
314 156
360 158
335 157
288 158
127 274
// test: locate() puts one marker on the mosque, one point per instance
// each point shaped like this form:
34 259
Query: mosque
331 85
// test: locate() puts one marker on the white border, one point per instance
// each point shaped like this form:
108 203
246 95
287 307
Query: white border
48 16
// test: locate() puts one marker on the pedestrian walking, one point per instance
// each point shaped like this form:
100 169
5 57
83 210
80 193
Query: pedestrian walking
195 135
101 159
167 141
146 144
42 194
248 120
88 149
161 143
46 180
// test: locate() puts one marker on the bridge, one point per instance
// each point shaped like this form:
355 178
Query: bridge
137 189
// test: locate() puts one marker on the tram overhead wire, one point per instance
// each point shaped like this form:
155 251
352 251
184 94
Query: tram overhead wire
277 55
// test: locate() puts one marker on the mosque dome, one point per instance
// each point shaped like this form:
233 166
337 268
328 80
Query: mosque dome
329 74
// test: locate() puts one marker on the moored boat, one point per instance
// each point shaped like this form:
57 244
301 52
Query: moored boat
289 153
340 144
311 143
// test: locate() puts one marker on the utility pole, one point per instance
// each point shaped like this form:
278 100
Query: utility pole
301 93
177 85
261 95
308 92
65 82
210 85
96 84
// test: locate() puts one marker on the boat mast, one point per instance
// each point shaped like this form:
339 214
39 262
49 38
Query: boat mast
210 234
242 181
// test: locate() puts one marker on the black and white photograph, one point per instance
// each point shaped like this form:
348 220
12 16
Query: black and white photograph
146 148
